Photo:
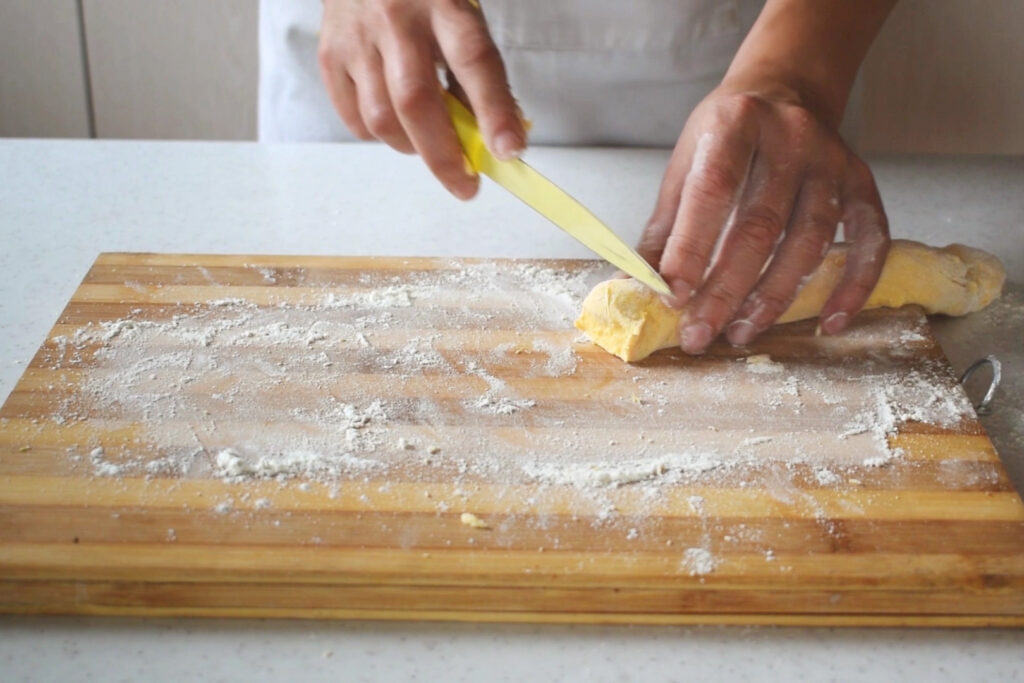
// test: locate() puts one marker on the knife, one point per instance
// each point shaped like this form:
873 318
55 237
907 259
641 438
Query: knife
550 201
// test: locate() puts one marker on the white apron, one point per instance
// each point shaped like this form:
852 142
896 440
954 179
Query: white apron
586 72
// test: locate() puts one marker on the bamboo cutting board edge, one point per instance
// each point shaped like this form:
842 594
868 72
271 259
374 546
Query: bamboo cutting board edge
851 621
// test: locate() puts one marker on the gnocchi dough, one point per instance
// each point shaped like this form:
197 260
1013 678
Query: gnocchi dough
629 320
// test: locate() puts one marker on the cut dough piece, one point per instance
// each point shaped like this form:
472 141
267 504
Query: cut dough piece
471 520
629 320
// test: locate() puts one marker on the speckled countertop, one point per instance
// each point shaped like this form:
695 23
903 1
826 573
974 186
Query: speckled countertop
63 202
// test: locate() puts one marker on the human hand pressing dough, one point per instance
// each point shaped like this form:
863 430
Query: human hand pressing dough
629 320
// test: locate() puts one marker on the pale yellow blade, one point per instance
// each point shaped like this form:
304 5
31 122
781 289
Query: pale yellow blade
551 201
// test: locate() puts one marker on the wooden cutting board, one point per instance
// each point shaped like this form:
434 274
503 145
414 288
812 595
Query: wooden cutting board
430 439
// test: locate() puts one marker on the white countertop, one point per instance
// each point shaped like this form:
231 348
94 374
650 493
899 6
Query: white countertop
63 202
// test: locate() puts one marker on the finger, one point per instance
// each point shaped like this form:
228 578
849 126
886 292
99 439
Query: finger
717 173
763 213
452 85
808 236
866 229
659 226
415 92
475 62
375 105
341 90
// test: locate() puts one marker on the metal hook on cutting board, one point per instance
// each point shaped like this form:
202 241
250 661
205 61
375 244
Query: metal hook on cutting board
985 406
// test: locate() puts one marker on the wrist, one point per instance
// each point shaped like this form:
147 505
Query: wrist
807 52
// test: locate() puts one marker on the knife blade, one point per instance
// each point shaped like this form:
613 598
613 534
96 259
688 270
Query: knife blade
549 200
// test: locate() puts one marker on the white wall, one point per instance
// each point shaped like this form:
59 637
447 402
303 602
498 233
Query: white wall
42 74
944 76
182 69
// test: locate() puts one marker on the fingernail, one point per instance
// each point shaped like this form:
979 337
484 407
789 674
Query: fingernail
741 332
672 301
468 166
526 123
507 146
835 323
681 294
695 338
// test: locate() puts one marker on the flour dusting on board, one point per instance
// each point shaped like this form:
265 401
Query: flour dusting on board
472 376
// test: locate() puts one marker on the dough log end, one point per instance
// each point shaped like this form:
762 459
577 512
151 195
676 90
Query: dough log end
985 275
627 319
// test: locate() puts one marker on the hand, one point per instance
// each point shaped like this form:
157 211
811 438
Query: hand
762 177
379 61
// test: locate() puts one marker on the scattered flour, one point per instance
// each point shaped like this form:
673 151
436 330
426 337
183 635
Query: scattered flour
762 364
672 467
698 561
561 359
500 405
898 399
826 477
232 466
352 381
204 378
394 296
102 468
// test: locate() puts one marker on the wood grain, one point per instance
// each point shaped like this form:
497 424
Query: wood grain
933 538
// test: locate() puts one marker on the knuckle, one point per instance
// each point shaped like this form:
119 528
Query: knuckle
652 240
330 54
411 94
771 301
742 106
474 49
860 171
380 120
688 248
809 251
325 55
715 180
820 225
722 294
802 133
872 248
761 228
391 13
798 118
867 223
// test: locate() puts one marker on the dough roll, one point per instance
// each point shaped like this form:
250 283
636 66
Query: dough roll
629 320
